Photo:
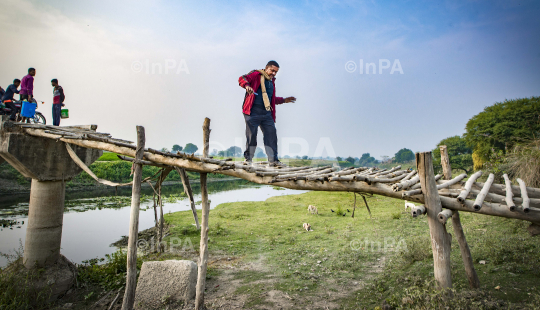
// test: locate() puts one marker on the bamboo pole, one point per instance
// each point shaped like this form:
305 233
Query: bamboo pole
480 198
418 210
189 193
440 239
509 195
203 259
444 215
468 186
526 200
131 277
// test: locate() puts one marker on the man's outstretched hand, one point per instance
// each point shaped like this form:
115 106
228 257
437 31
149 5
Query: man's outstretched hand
290 99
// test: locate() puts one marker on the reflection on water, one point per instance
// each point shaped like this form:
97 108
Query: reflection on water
88 234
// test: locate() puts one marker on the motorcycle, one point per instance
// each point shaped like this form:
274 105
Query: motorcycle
37 119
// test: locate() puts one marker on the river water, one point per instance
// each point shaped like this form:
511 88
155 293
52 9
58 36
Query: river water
89 230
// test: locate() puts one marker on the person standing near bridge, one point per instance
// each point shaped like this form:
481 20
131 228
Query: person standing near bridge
27 85
58 102
259 110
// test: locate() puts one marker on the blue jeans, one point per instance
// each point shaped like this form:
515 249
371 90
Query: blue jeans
268 128
56 113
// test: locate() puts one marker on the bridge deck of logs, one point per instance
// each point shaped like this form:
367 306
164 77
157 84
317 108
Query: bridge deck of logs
441 195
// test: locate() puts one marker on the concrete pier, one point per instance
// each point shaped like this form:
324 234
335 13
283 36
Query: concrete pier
49 165
45 218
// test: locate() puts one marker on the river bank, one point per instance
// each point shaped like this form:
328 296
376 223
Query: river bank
261 257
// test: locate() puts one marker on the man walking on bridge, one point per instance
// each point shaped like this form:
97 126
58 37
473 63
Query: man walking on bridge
27 85
259 110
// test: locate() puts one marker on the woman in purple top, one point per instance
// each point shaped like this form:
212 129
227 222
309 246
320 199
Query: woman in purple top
27 85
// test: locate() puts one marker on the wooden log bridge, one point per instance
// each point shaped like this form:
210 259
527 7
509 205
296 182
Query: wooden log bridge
489 198
442 198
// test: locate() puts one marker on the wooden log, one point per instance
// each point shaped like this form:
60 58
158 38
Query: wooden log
131 277
440 240
189 193
385 180
474 282
445 162
509 194
404 185
203 259
526 200
143 162
440 186
485 189
387 172
410 175
417 185
468 186
418 210
444 215
159 184
500 189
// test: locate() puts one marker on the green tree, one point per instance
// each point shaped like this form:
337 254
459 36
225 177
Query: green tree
233 151
404 155
366 160
339 158
459 152
350 159
305 157
190 148
176 148
501 126
259 153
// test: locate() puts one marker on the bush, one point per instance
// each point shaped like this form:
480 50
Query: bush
524 163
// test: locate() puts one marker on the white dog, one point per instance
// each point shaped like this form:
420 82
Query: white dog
312 209
307 227
409 205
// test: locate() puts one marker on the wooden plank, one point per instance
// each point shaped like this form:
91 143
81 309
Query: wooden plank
509 195
440 239
131 277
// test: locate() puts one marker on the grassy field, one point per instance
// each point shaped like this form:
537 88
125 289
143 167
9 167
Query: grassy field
352 263
262 258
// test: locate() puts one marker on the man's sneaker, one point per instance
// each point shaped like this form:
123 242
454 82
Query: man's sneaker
248 162
277 164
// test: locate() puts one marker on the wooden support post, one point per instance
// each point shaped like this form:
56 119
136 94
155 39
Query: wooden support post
164 173
203 259
189 193
445 163
440 239
131 277
474 282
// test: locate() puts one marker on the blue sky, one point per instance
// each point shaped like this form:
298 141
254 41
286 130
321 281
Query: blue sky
456 56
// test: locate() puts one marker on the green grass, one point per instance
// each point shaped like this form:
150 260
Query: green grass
108 156
335 253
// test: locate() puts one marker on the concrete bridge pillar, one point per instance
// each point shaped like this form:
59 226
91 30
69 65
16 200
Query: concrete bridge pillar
45 218
49 165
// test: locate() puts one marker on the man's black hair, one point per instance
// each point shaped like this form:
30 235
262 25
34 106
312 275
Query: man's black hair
31 69
54 81
272 63
15 81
